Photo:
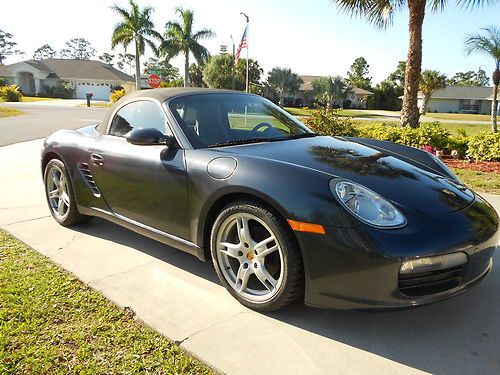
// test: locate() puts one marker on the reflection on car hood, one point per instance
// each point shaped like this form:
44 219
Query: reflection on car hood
407 185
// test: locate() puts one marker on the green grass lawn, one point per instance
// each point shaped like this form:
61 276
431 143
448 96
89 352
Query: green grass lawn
51 323
459 116
8 112
97 105
480 181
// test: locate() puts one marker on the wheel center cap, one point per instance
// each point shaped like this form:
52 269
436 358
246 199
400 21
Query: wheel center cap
250 255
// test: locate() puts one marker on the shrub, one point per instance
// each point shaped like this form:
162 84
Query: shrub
327 122
63 91
485 146
117 95
11 93
434 135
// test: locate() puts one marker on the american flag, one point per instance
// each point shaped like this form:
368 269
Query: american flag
243 44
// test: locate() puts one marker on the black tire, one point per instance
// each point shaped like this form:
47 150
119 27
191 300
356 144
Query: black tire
292 285
72 216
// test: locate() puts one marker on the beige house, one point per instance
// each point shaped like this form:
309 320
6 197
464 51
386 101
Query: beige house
356 98
460 99
37 77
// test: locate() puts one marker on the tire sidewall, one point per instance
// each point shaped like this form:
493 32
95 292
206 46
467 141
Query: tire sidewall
269 218
73 215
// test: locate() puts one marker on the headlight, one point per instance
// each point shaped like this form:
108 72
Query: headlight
367 205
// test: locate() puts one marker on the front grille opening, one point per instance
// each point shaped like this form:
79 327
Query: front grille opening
436 281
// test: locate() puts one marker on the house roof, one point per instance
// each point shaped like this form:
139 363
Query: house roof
74 69
307 81
463 92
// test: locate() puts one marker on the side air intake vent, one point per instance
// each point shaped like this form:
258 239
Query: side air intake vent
89 180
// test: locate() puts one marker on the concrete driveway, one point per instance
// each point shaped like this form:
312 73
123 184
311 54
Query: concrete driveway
181 298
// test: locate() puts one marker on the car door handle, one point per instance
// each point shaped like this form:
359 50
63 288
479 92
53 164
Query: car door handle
97 159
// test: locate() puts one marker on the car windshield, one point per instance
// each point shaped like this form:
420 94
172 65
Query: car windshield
213 120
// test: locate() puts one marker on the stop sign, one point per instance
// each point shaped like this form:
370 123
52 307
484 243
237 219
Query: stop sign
154 81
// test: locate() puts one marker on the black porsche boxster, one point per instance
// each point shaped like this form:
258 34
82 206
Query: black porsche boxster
283 213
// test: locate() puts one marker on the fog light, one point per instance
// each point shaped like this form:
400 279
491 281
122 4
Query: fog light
433 263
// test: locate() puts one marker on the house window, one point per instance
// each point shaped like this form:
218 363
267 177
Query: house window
469 105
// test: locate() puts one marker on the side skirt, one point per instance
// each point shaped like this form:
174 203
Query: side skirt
147 231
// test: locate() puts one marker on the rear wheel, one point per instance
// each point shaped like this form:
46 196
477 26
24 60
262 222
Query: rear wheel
59 193
256 256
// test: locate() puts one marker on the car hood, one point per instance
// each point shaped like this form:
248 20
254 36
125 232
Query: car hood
407 185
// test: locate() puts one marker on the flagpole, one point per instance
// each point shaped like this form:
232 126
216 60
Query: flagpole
247 81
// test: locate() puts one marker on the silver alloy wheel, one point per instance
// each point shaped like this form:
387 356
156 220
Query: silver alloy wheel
56 188
250 257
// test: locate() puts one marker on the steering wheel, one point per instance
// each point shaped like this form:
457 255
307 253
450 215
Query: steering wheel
262 125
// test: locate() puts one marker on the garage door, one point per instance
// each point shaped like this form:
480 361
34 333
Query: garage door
100 91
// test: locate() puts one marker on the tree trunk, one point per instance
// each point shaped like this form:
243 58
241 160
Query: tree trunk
425 103
494 109
137 68
186 68
409 112
494 102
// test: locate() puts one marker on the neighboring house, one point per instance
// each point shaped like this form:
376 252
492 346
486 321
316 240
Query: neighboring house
460 99
355 99
82 76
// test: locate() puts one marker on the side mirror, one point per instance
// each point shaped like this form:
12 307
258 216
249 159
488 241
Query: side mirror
148 136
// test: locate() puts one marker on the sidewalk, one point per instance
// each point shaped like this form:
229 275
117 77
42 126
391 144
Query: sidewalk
181 297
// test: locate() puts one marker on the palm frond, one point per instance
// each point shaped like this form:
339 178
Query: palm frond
378 12
486 43
204 34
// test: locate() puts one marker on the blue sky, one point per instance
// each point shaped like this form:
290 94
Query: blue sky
310 37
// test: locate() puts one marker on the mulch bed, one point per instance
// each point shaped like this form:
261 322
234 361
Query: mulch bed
481 166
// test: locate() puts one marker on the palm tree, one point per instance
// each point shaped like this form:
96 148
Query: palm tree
136 26
282 81
381 13
180 38
488 44
430 81
329 89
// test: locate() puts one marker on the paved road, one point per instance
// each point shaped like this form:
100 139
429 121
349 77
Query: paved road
39 121
180 297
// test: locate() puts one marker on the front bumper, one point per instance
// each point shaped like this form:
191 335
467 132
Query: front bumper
358 268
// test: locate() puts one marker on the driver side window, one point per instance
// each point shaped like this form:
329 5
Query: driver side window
136 115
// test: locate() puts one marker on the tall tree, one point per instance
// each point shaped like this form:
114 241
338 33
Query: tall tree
386 94
330 89
79 49
196 75
180 38
163 68
126 59
282 82
107 58
381 14
358 74
44 52
7 46
218 72
430 81
469 78
135 27
488 43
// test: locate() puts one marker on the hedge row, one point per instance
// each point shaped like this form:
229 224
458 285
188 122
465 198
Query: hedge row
484 146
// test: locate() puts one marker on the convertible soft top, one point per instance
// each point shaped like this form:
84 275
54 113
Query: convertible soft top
160 95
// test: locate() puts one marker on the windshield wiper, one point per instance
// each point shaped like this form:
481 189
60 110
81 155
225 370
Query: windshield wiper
301 135
242 142
258 140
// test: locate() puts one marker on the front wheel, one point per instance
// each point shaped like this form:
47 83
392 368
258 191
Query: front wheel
59 193
256 256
